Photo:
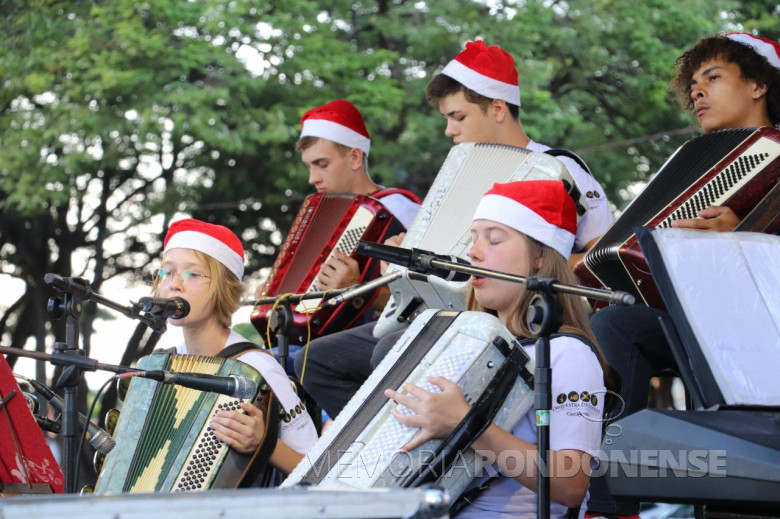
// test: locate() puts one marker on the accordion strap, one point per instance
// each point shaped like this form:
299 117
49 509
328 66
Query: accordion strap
573 190
562 152
236 350
387 191
259 471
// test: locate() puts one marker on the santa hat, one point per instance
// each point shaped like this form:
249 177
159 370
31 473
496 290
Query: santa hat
767 48
541 209
338 121
487 70
216 241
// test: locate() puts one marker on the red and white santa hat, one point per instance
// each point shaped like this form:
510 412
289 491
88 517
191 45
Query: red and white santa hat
216 241
541 209
767 48
338 121
487 70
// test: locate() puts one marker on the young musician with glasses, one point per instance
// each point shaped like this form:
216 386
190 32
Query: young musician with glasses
525 228
478 93
203 264
729 81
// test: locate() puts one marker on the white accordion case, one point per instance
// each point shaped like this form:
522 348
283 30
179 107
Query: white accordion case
360 449
443 223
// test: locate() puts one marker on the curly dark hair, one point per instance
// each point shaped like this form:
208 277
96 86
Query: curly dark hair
751 64
442 86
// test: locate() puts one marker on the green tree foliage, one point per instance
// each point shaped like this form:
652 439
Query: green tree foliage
117 117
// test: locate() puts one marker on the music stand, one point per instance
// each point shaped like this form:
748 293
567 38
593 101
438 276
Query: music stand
722 292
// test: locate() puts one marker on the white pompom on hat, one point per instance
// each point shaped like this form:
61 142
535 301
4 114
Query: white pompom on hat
487 70
338 121
767 48
541 209
216 241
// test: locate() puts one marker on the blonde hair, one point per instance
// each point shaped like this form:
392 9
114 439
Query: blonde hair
225 291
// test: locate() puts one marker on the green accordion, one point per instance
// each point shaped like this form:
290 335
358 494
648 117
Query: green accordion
163 439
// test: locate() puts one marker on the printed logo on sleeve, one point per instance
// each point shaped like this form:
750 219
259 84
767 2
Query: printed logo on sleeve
576 399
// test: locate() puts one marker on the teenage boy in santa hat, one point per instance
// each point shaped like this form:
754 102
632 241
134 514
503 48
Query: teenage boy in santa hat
729 81
525 228
203 263
478 93
334 145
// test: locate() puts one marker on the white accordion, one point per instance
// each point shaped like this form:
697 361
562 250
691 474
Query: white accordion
443 223
361 448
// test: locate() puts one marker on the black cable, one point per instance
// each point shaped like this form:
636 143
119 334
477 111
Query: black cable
89 418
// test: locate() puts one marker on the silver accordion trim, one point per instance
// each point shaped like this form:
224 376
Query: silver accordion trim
443 223
360 449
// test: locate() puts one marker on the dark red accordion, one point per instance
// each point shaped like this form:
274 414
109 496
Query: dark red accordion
325 222
735 168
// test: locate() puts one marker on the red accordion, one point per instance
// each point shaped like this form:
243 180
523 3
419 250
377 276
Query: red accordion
735 168
324 222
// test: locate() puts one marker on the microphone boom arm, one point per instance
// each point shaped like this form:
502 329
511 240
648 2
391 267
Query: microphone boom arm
294 299
71 285
532 282
426 262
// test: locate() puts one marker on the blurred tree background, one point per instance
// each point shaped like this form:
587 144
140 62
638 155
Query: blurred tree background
117 117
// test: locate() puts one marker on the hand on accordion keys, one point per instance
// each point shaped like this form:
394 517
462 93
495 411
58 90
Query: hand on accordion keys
435 413
338 271
713 218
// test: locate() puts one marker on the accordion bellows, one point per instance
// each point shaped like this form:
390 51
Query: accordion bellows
324 222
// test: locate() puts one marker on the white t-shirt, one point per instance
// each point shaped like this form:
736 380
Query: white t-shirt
296 429
575 423
598 218
403 208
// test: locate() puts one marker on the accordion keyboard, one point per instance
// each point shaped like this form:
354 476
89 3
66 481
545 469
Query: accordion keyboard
346 245
720 187
208 451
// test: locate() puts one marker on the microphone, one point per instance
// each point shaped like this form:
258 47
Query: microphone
100 440
175 308
359 290
44 423
415 260
235 386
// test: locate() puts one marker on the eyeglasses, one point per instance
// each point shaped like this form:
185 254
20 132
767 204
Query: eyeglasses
165 276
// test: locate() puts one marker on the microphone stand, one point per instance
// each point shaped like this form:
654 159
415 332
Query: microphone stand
544 317
282 317
74 292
